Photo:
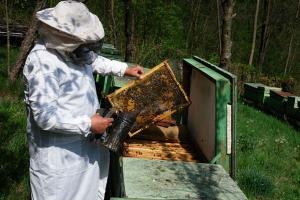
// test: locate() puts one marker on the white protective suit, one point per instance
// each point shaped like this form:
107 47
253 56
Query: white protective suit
60 98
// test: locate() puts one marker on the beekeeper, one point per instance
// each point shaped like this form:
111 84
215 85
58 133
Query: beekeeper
61 103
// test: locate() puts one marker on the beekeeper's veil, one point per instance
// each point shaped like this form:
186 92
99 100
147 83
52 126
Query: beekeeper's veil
68 25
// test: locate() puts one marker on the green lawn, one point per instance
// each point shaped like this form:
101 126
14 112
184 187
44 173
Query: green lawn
268 152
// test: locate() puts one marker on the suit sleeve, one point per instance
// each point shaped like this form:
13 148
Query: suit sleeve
106 66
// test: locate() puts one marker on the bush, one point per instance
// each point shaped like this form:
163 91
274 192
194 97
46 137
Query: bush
247 73
244 73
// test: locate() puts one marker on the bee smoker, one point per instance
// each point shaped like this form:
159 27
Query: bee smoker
116 134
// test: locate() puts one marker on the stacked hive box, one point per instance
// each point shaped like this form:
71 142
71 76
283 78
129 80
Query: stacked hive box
293 108
258 93
278 102
252 93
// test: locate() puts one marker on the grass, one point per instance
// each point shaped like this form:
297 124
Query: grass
268 152
14 159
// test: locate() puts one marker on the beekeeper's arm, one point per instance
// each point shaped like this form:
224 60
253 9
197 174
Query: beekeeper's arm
42 80
106 66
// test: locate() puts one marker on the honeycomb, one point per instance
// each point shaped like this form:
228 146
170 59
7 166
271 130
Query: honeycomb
155 96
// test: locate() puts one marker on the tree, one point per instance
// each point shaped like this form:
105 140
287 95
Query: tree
219 26
129 30
195 11
287 63
27 43
113 22
7 36
265 33
254 33
227 16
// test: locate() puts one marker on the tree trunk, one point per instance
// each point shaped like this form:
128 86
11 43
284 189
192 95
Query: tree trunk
227 8
287 62
190 25
7 37
265 33
113 21
195 9
288 59
129 30
219 27
27 43
290 68
254 33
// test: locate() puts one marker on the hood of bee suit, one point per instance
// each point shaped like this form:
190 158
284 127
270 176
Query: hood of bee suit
68 25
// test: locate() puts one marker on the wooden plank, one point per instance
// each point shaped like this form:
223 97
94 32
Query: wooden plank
158 149
151 157
158 154
203 129
141 143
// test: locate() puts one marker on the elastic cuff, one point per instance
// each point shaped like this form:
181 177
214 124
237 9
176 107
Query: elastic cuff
124 66
88 124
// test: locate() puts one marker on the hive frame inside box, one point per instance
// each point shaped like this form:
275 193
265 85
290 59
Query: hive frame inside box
164 114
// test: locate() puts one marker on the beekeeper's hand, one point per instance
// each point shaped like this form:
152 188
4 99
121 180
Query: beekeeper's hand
100 124
135 71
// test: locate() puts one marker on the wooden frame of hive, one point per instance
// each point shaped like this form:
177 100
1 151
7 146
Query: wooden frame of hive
164 73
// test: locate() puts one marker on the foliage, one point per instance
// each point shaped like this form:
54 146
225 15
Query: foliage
246 73
19 11
164 28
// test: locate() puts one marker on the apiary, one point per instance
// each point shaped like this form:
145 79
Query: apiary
155 96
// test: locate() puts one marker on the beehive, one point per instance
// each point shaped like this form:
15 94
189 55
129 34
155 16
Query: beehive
155 96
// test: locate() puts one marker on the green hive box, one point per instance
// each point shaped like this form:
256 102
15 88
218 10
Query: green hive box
278 102
258 93
251 92
292 107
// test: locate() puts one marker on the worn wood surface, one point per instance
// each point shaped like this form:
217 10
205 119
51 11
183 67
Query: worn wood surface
156 179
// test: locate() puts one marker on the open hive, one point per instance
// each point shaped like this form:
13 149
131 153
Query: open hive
155 96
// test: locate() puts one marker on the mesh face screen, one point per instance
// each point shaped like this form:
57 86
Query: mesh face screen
156 96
